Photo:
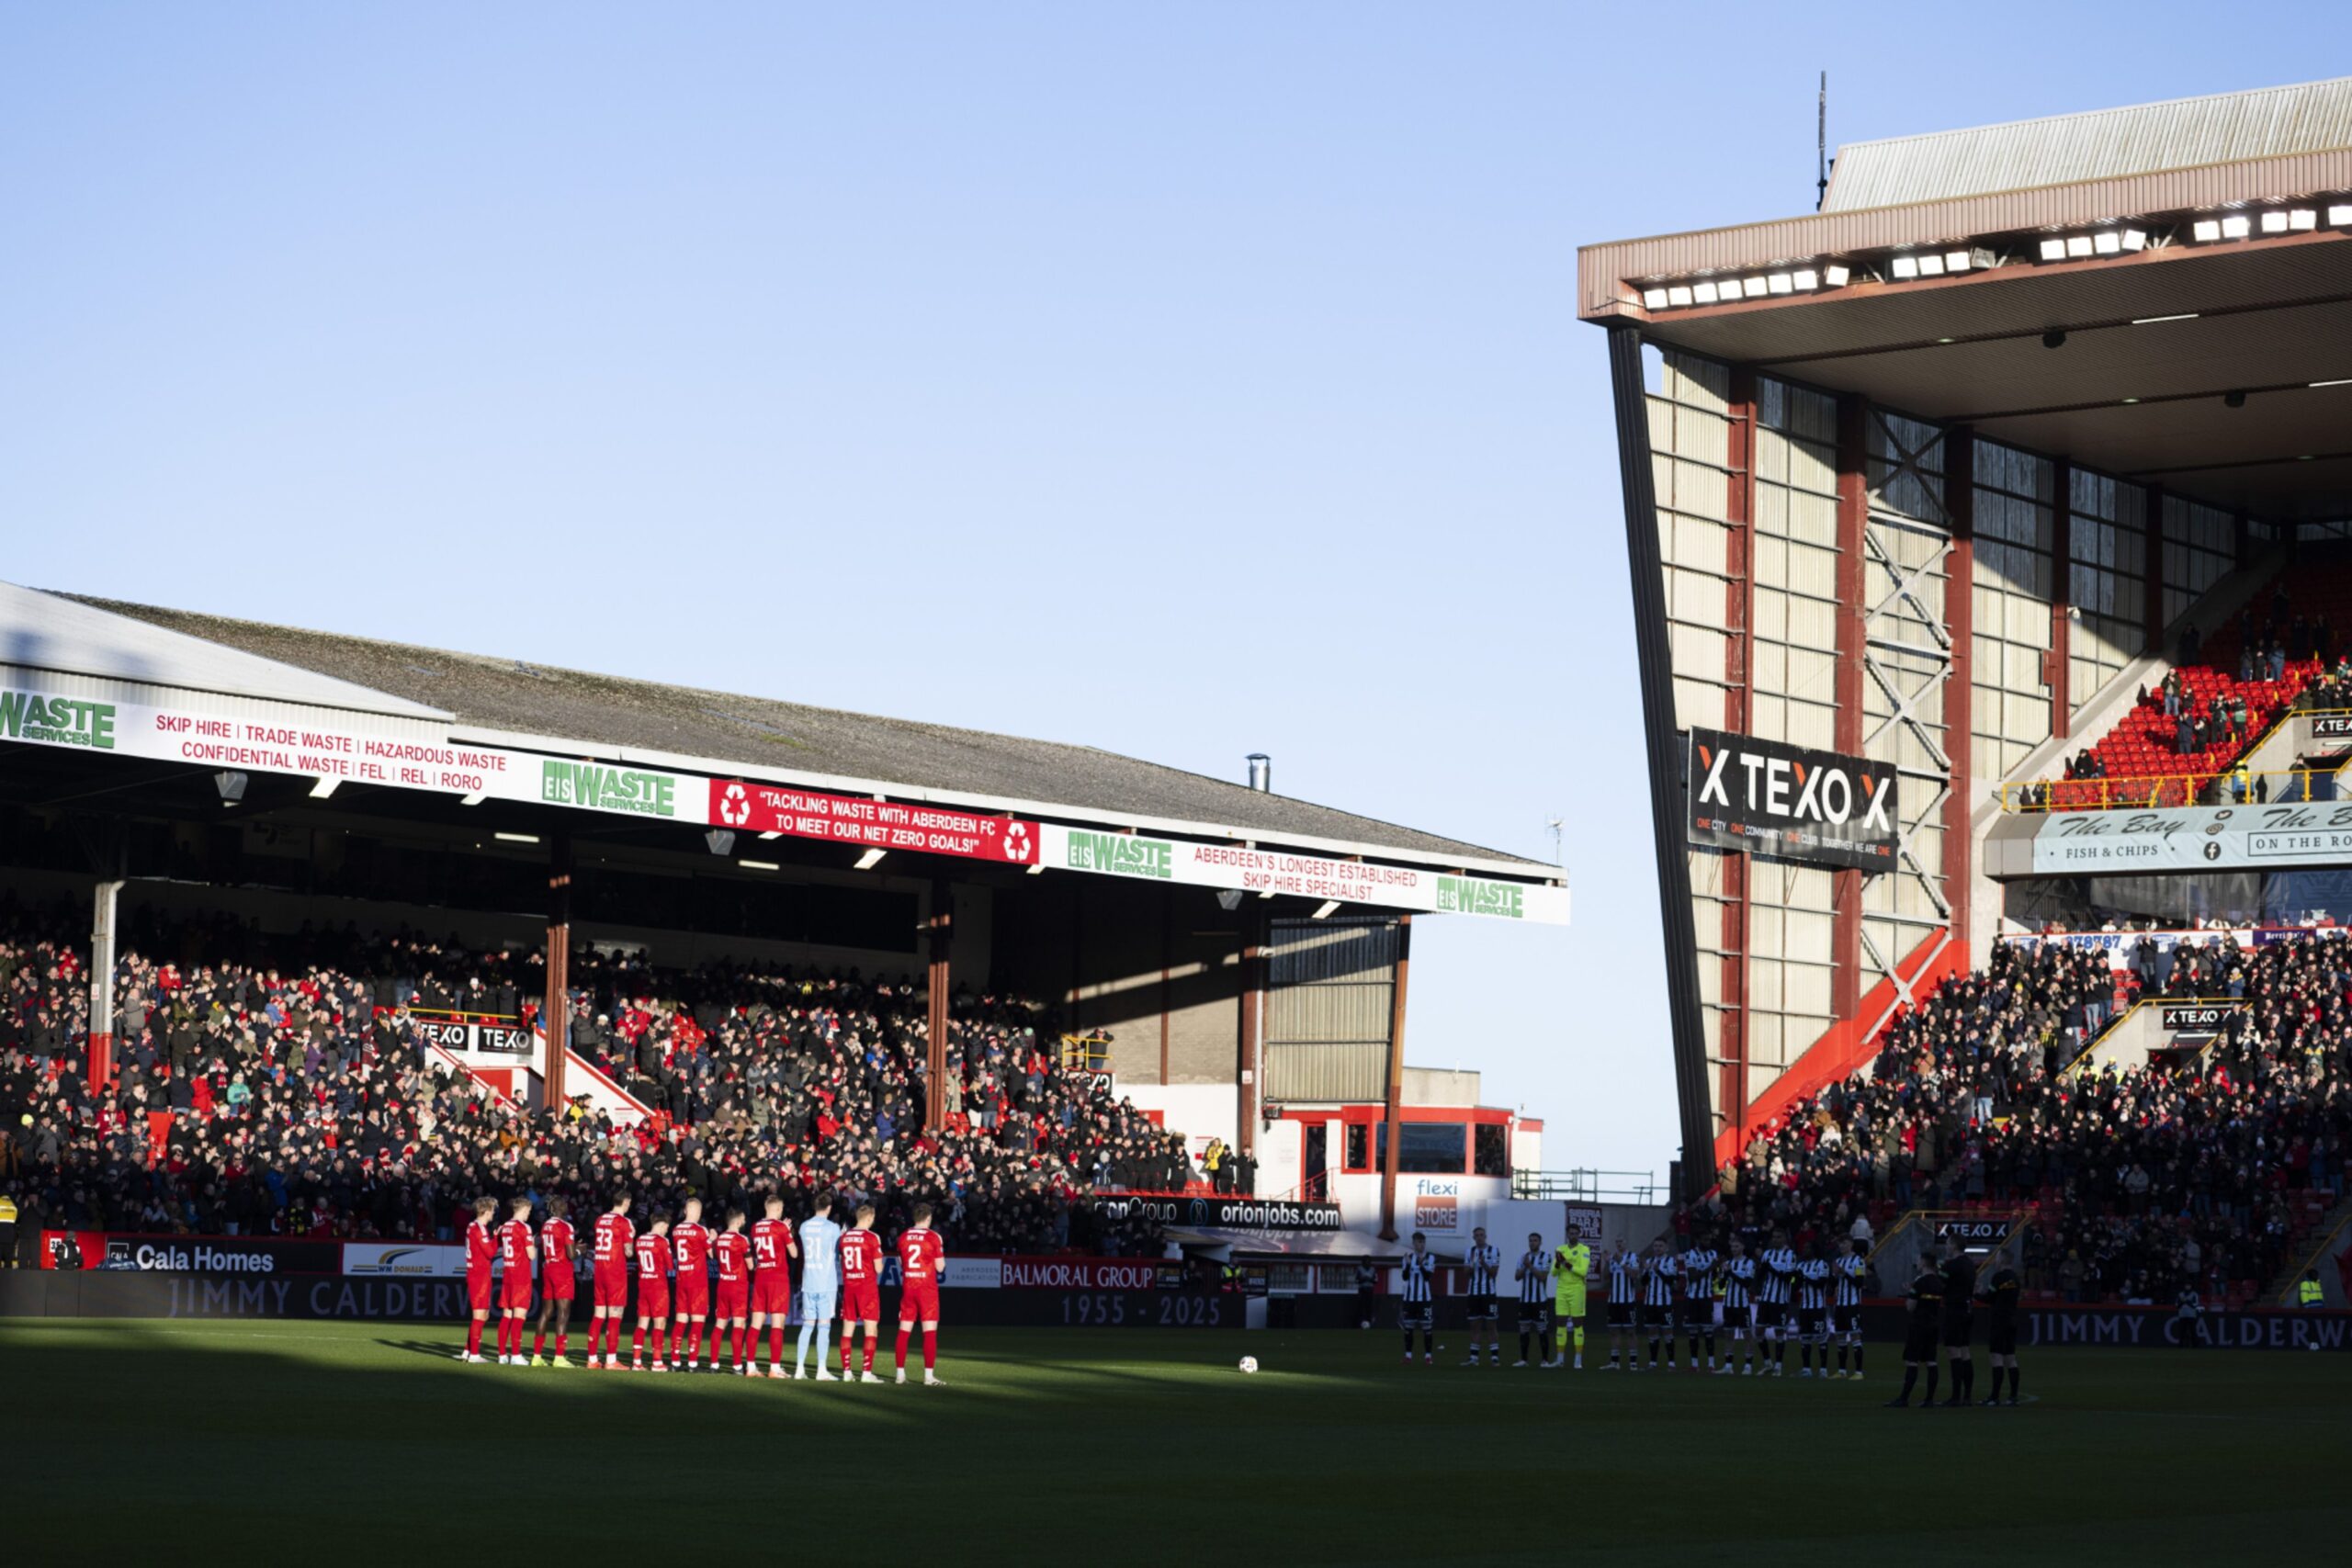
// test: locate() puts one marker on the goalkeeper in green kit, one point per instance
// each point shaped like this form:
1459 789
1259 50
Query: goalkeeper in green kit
1571 1261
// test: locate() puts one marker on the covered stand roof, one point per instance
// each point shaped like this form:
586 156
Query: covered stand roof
2157 326
500 700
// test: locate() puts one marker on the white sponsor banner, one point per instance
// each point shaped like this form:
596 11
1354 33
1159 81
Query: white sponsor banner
972 1273
404 1259
1147 859
2194 838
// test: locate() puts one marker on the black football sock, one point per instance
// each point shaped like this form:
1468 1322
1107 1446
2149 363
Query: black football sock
1653 1352
1522 1343
1428 1342
1710 1347
2013 1380
1858 1355
1841 1357
1910 1382
1409 1342
1932 1382
1804 1357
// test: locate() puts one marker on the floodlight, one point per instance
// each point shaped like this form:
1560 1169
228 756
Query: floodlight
323 788
2274 223
2077 247
2302 220
1654 299
2236 226
2054 249
516 838
1680 295
1703 292
1781 283
1805 280
721 840
2205 231
1330 906
1931 266
1835 274
759 865
1959 261
869 860
2340 214
1905 269
231 786
2136 239
2107 243
1754 288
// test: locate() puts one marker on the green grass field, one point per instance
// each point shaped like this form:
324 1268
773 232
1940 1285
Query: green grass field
256 1442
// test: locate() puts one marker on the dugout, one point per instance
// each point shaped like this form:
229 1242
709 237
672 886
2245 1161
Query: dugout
1212 945
1921 488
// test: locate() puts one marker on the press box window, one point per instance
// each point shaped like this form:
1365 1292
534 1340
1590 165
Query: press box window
1490 1150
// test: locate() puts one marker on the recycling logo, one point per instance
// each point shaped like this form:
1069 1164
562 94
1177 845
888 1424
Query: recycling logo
1016 841
735 806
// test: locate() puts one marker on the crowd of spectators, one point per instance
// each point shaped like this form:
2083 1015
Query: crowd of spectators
283 1085
2143 1179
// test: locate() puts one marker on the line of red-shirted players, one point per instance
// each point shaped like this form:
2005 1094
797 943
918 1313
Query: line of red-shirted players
754 1286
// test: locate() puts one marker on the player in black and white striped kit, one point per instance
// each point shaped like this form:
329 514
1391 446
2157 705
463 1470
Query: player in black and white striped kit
1481 1262
1773 1299
1625 1298
1416 1299
1846 1307
1534 1277
1698 1301
1739 1307
1813 1311
1657 1300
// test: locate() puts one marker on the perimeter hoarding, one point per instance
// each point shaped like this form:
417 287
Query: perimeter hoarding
1770 798
1245 869
2192 837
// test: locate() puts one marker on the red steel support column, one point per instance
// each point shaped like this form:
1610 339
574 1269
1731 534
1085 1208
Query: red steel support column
942 928
2062 598
1253 997
1853 517
99 1060
555 1008
1393 1135
1740 711
1960 691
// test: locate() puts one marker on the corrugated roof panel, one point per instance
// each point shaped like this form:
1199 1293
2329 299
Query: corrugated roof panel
2314 117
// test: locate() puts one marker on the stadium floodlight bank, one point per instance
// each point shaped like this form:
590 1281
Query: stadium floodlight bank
1927 484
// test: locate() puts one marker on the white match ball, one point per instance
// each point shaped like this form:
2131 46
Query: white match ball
1250 1363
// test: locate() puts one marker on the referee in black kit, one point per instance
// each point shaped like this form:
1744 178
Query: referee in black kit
1960 1323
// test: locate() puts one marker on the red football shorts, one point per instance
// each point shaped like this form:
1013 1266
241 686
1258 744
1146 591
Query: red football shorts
734 1298
557 1282
861 1302
612 1285
478 1289
652 1296
515 1292
692 1296
772 1292
918 1302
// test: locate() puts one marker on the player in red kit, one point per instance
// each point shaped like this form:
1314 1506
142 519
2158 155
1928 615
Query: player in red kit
615 1242
515 1250
652 1292
733 1252
860 1290
921 1252
480 1252
555 1284
771 1249
691 1242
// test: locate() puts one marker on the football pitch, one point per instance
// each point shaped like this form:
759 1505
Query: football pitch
269 1441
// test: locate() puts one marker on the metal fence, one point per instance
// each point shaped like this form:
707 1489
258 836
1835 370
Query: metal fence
1586 1186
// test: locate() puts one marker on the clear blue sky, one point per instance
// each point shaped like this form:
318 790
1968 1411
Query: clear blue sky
1185 380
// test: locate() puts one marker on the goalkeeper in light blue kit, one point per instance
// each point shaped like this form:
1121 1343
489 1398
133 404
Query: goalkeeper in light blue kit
821 1285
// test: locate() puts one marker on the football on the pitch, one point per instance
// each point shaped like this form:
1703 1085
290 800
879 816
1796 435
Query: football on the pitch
1248 1363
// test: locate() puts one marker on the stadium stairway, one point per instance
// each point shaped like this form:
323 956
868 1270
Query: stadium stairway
2316 1226
2139 754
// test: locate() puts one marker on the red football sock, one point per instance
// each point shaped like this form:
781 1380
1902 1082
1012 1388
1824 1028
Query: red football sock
930 1349
869 1354
903 1332
845 1345
736 1334
473 1338
559 1338
539 1343
637 1343
775 1345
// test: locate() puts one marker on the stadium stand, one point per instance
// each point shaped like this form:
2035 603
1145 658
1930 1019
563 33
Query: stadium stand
280 1086
2221 694
2139 1181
